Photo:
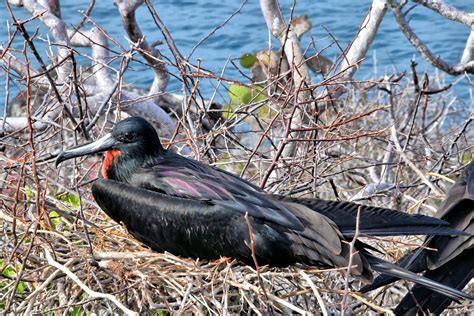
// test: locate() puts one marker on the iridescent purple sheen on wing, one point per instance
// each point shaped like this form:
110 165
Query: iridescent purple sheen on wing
170 173
175 175
181 186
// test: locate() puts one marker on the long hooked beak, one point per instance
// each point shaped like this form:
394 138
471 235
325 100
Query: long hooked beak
100 145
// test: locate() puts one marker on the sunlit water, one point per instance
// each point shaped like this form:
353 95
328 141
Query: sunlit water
190 21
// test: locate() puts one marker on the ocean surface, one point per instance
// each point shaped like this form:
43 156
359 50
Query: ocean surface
190 21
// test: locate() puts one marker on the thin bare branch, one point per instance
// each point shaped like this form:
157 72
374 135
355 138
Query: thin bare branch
425 52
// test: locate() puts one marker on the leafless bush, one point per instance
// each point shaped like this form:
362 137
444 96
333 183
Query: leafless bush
393 142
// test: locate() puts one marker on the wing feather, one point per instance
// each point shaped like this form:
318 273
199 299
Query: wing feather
191 179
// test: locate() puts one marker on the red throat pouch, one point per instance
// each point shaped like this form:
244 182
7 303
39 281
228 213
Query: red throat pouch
110 156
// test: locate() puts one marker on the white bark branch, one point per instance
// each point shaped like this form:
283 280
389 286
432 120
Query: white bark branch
448 11
289 41
32 297
294 54
364 38
58 29
152 55
104 83
11 124
149 110
101 58
84 287
468 53
424 51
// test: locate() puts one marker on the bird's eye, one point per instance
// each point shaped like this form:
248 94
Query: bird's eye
128 136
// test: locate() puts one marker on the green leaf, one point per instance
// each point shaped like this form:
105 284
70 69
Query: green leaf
263 111
247 60
257 94
228 111
466 157
9 272
21 288
77 311
55 218
69 198
29 193
240 94
83 296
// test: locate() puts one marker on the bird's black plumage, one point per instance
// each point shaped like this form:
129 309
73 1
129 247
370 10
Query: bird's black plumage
374 221
192 209
453 262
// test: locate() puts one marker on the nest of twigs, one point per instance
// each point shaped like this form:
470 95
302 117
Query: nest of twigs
62 254
64 275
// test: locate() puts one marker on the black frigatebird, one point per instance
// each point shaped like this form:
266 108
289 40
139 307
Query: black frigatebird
188 208
453 261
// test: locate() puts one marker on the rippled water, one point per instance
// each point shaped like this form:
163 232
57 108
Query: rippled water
190 21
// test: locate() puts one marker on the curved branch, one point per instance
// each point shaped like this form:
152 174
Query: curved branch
291 47
424 51
152 55
148 109
468 54
289 41
57 28
103 88
84 287
100 56
448 11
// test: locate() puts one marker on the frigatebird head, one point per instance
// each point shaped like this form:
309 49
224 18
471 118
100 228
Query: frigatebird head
131 142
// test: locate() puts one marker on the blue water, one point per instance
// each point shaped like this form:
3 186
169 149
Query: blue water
189 21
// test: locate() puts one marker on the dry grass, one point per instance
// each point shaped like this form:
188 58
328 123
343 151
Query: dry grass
148 282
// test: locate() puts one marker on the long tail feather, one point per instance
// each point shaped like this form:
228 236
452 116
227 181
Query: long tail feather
456 273
375 221
414 261
388 268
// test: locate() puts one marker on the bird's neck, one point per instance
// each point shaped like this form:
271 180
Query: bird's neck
121 166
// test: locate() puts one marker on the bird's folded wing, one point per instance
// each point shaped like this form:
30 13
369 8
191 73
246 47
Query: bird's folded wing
201 182
322 241
374 221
